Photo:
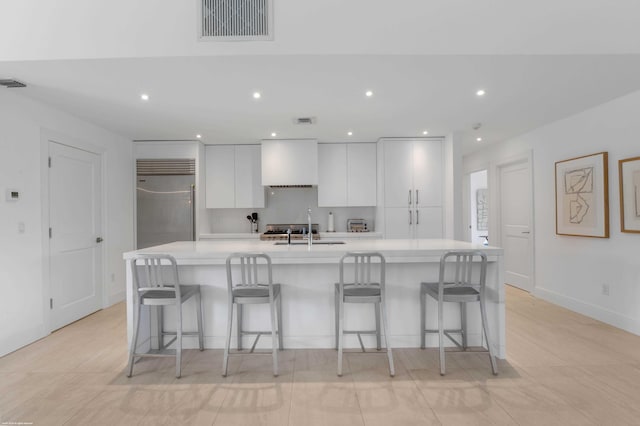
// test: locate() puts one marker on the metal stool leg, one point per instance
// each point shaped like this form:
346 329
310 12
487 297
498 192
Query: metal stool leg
200 326
423 321
274 337
376 308
463 324
239 324
441 336
385 325
134 338
340 334
483 312
336 311
280 336
179 339
225 361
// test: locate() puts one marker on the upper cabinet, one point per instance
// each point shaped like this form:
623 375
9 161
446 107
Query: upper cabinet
347 175
289 162
234 176
413 177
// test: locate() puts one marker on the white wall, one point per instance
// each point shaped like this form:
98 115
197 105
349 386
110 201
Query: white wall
570 271
23 314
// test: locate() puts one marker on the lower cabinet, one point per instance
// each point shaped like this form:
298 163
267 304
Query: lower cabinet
401 222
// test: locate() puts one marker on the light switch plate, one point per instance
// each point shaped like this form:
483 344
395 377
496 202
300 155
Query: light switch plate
12 195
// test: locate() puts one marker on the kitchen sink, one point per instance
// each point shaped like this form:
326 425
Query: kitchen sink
304 243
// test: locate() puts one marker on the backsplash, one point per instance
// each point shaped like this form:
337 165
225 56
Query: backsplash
288 205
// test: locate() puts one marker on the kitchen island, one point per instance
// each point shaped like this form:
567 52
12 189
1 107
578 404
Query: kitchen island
308 274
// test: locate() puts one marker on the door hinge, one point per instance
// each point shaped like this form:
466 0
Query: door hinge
49 162
51 303
50 233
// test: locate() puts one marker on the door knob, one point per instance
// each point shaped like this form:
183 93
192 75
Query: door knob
99 240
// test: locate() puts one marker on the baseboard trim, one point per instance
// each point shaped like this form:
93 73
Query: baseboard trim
23 338
596 312
116 298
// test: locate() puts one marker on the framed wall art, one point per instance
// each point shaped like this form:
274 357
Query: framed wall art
629 171
582 196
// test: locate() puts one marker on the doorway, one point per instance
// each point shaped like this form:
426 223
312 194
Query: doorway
75 233
478 208
515 201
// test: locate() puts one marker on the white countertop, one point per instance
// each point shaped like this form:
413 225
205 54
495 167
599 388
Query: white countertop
254 236
214 252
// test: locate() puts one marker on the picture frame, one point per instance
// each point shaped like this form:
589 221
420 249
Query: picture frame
629 180
582 196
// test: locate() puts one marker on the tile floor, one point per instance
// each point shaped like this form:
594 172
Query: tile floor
561 369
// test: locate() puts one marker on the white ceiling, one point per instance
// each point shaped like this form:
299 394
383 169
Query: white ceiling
321 63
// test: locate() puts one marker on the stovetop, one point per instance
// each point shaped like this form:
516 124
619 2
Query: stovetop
279 231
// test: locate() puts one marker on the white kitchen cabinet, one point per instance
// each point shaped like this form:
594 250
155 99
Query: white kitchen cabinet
233 177
248 177
332 175
361 174
347 175
413 181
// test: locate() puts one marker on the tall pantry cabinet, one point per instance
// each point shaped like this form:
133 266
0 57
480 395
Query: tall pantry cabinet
413 181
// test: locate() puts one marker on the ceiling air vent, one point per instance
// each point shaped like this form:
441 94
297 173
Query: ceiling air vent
305 120
11 83
236 20
164 167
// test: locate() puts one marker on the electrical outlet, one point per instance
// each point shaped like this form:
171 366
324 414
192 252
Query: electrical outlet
605 289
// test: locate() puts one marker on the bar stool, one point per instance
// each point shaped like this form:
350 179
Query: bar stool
461 290
251 290
362 290
158 289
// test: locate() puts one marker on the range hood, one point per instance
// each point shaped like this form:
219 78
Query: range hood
290 163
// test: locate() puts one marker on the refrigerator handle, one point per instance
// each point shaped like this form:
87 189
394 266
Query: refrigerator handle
193 212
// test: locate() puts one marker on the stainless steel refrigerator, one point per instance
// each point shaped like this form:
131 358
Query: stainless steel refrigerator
165 201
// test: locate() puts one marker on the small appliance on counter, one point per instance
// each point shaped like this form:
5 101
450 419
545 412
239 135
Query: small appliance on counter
357 225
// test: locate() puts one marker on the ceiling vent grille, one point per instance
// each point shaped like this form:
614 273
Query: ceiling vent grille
305 120
165 167
236 20
11 83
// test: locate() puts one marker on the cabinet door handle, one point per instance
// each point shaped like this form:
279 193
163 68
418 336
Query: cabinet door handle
417 217
417 197
410 218
409 197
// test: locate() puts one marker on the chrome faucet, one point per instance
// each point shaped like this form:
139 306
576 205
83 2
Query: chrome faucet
309 230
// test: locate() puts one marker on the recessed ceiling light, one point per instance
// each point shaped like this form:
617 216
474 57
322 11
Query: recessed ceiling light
480 92
349 133
368 93
144 97
425 132
479 139
273 134
198 136
256 95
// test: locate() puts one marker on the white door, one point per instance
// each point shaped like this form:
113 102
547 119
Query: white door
515 227
75 222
